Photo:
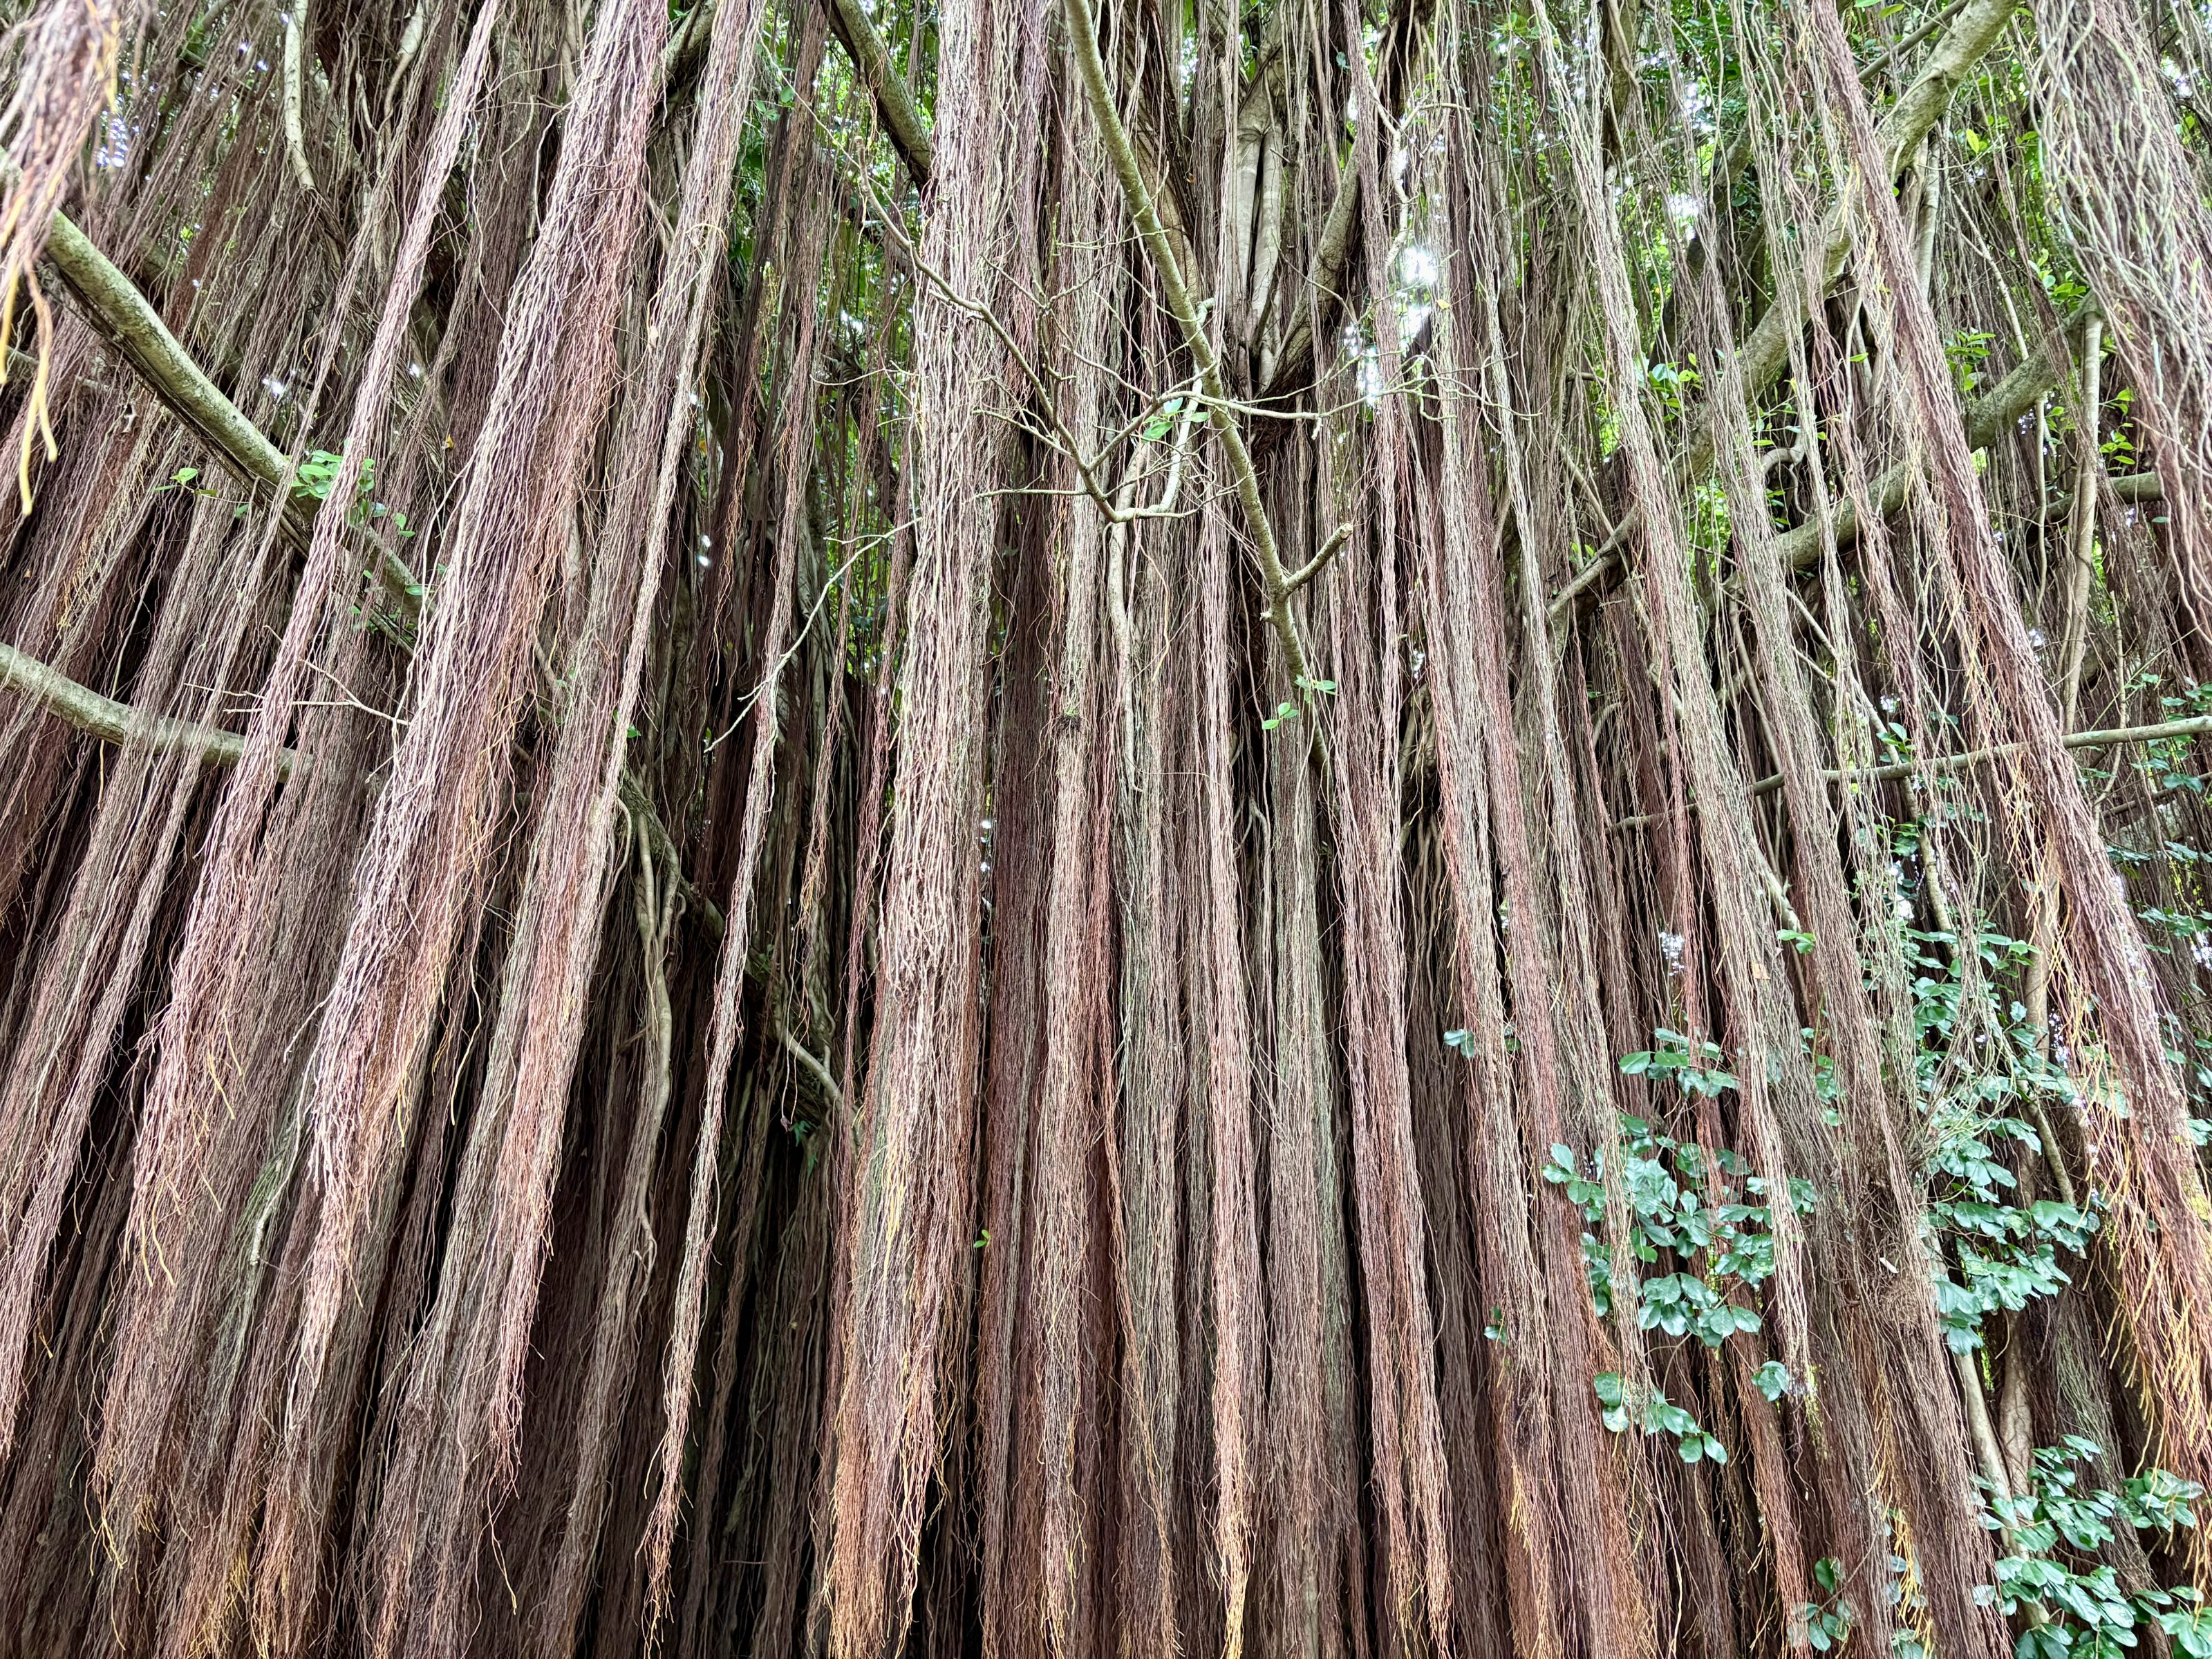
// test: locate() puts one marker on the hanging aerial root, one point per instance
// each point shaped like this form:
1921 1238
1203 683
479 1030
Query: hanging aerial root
70 54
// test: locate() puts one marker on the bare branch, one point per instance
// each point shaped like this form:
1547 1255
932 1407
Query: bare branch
1313 567
123 316
295 136
2195 725
111 721
817 1070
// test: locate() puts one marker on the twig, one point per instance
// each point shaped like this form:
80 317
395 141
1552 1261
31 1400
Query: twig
744 705
1060 437
1313 567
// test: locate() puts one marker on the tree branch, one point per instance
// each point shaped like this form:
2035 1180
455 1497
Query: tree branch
1083 31
1764 353
80 706
812 1066
900 116
1313 567
895 105
2195 725
1320 295
295 134
111 721
124 318
1987 420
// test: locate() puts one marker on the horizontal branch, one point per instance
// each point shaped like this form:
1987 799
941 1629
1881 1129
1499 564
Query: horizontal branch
111 721
2195 725
1764 354
1988 420
127 320
80 706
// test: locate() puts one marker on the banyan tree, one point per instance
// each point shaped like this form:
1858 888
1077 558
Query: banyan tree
1104 828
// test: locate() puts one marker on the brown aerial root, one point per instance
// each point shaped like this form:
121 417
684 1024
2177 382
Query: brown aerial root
1085 831
71 51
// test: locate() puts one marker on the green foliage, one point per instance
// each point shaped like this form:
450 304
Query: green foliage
1827 1627
1163 421
1677 1217
1673 385
1309 689
1699 1074
2053 1533
1698 1215
1654 1414
2166 761
1967 350
317 475
1977 1074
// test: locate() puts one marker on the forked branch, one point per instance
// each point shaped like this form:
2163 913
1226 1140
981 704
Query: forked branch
1189 316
